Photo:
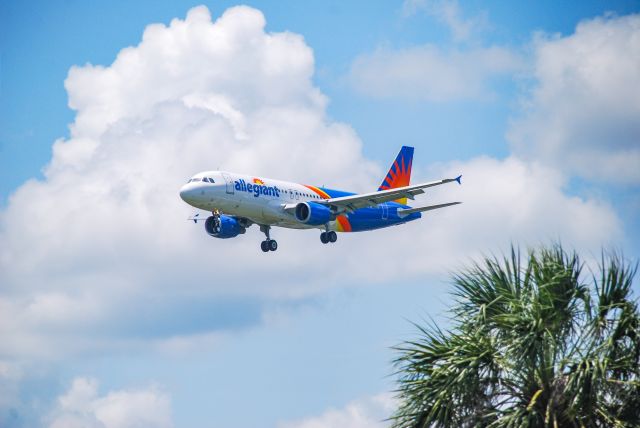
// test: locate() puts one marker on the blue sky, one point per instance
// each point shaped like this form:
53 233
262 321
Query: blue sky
112 304
41 40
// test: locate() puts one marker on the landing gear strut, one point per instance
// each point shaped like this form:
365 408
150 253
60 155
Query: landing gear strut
216 221
268 244
329 236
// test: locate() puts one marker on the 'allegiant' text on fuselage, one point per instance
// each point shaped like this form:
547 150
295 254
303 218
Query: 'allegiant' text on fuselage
257 189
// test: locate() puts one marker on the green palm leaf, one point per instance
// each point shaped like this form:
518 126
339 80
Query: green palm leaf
532 344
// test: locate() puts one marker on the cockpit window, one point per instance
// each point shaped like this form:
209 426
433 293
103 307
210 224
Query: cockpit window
205 179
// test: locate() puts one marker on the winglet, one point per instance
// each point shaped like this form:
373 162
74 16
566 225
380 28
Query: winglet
459 179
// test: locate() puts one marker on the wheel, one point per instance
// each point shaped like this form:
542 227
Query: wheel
324 238
264 246
333 237
273 245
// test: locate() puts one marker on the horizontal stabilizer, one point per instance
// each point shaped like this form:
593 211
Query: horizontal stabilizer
406 212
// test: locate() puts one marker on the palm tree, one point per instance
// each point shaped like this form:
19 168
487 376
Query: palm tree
540 344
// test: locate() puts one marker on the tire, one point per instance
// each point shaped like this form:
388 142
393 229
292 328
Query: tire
264 246
324 238
333 237
273 245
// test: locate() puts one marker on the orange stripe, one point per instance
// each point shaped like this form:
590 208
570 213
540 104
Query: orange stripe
319 192
342 221
344 224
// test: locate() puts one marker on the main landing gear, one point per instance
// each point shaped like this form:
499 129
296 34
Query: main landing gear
330 236
268 244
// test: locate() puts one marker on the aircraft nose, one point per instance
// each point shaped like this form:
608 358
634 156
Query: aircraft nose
185 193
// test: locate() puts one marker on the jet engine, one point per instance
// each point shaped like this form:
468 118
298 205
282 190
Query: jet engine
223 227
313 213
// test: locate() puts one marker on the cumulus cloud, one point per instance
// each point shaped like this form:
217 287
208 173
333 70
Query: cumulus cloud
449 13
370 412
105 229
433 73
82 407
98 255
583 111
504 201
429 73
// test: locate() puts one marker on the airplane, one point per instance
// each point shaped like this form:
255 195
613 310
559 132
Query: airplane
237 201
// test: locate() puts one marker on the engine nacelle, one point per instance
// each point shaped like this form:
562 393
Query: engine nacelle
223 227
313 213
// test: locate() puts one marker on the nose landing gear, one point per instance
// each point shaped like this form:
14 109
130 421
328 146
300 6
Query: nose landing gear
330 236
268 244
215 223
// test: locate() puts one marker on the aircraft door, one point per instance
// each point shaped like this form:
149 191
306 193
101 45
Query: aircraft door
385 211
229 181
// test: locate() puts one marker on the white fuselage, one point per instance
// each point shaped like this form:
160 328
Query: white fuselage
260 200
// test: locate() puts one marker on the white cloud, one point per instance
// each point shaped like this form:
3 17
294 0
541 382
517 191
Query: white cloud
82 407
429 73
370 412
504 201
583 112
449 13
83 248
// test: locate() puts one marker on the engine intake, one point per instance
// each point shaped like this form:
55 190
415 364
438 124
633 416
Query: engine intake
223 227
313 213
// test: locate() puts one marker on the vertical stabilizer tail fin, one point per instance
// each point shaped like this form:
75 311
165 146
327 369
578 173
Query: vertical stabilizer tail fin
399 174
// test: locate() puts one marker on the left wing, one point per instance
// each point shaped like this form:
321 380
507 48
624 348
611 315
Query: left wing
354 202
196 218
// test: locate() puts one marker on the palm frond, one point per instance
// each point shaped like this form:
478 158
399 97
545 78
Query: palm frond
531 344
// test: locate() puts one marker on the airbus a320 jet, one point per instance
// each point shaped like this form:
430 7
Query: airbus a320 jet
237 201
